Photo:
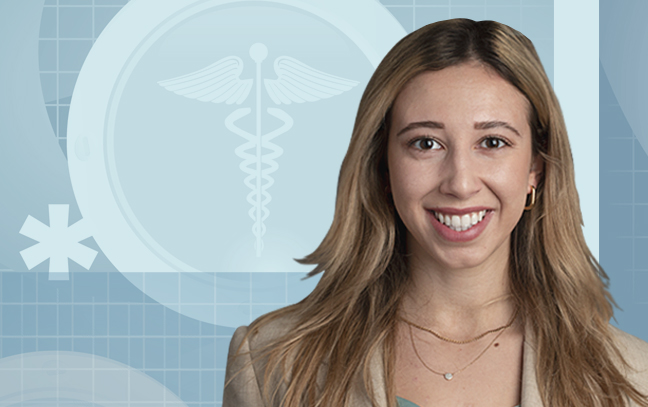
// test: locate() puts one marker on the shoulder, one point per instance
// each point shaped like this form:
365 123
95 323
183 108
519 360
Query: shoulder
258 336
635 352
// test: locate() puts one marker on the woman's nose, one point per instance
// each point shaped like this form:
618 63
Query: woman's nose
461 175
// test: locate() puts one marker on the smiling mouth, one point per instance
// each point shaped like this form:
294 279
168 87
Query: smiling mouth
460 223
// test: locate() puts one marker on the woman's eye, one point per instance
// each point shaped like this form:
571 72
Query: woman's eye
493 143
425 144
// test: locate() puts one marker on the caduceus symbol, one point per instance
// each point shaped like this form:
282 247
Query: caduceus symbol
220 82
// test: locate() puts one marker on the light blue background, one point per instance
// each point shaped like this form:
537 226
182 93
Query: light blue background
102 313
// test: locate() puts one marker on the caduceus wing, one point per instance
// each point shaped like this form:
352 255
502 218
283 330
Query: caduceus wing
217 83
298 82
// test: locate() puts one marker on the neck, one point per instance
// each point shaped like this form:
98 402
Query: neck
459 303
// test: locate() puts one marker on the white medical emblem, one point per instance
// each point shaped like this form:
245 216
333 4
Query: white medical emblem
220 82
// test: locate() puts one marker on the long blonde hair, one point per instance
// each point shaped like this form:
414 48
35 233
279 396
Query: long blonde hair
555 281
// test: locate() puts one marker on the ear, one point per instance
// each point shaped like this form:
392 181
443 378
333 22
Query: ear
537 170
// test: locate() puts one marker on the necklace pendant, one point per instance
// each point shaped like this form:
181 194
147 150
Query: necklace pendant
448 376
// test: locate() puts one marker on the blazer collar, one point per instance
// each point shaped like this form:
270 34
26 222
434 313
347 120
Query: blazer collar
530 396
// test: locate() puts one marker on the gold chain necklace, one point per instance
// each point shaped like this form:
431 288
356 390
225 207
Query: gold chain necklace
449 375
443 338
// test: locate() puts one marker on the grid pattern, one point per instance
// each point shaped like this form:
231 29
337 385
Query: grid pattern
624 208
102 313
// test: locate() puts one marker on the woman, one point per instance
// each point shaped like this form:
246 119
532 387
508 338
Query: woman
455 270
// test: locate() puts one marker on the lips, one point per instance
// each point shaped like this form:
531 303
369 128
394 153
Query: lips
455 232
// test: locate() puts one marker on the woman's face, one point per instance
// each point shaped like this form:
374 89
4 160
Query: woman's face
459 150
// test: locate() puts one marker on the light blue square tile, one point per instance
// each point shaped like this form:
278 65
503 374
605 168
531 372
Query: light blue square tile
476 13
222 349
207 380
172 381
537 22
159 282
171 353
220 381
154 319
433 3
101 347
617 155
122 290
616 253
268 288
83 345
502 3
118 319
157 375
189 353
546 3
11 346
47 55
427 15
616 187
48 86
398 3
83 319
66 86
240 311
46 344
258 310
28 320
154 353
189 326
136 319
136 359
90 287
11 281
46 320
103 15
29 345
65 344
207 353
207 329
613 123
619 224
641 187
100 320
118 349
65 319
640 220
11 320
404 15
29 288
111 2
506 15
72 53
48 23
192 291
640 156
233 288
189 382
75 22
466 3
171 322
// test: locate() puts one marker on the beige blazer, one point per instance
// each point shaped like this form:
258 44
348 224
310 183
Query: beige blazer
245 389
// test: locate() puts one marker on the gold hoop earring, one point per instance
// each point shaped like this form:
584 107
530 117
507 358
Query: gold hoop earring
533 199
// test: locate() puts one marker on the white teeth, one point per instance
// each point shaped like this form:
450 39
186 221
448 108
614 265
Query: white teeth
461 223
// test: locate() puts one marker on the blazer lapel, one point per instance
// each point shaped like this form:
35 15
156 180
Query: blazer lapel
530 395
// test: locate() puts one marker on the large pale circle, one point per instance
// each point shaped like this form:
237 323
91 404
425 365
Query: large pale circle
160 176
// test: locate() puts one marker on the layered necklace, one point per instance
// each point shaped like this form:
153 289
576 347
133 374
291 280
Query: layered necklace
450 375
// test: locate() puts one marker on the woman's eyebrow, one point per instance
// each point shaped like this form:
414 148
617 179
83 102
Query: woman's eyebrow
418 125
494 124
